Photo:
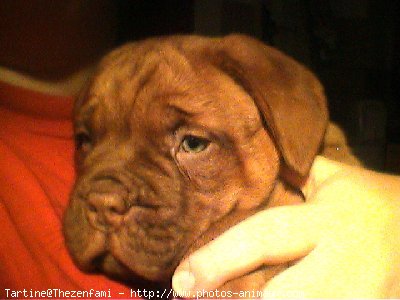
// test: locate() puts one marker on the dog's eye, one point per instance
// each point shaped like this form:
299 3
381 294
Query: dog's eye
194 144
82 141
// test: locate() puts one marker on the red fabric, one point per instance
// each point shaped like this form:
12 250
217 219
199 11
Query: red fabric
36 175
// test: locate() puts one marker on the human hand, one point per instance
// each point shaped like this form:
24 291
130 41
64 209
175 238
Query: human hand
346 238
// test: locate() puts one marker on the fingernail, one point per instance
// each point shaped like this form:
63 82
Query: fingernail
183 281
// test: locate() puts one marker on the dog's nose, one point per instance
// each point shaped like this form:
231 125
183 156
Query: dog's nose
105 211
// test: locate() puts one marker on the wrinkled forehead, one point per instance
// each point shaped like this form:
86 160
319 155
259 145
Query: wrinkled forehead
165 83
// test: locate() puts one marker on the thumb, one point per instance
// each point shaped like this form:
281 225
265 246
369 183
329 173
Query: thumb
273 236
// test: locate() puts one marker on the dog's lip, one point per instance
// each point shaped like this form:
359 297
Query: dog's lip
94 249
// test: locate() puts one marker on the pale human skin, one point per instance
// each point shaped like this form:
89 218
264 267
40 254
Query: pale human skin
346 238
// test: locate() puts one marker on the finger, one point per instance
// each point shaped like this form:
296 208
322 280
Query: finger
272 236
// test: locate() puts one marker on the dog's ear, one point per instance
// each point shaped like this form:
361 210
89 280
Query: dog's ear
289 97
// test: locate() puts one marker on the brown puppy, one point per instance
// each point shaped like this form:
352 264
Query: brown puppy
178 139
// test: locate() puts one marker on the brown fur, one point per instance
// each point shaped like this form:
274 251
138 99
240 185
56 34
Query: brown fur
140 202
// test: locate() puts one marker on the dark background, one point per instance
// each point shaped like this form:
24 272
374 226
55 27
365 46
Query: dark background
352 46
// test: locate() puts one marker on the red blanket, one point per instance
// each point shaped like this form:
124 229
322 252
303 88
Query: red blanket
36 175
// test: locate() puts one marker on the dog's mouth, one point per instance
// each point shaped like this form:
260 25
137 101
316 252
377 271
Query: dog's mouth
112 257
139 242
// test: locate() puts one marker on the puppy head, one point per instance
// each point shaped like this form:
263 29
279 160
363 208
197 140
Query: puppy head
173 135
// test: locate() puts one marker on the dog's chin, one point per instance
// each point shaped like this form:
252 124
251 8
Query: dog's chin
109 265
127 266
113 268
